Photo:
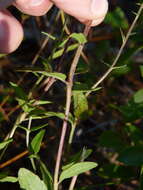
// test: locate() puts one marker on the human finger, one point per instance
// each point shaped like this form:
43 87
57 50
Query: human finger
5 3
11 32
84 10
33 7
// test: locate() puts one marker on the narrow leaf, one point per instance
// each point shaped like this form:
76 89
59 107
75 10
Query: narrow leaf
3 144
80 37
38 127
49 35
59 76
19 91
60 52
77 169
42 102
46 176
9 179
78 157
36 142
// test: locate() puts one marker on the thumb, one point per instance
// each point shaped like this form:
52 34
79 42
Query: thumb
84 10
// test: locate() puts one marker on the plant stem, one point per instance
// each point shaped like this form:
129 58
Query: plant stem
72 133
120 50
141 178
19 120
27 142
28 132
68 104
73 181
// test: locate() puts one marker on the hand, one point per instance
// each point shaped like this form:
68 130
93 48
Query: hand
11 31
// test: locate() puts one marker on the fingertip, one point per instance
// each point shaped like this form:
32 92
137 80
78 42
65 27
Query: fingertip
11 32
99 10
33 7
85 10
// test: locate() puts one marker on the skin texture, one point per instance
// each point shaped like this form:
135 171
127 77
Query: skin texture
11 31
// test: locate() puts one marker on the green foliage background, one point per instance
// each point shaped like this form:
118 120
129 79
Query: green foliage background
109 121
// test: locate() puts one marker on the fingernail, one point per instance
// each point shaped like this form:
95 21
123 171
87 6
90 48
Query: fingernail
36 2
97 21
99 7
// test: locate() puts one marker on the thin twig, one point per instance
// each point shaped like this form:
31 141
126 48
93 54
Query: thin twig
14 159
27 142
17 157
73 182
28 131
120 50
68 104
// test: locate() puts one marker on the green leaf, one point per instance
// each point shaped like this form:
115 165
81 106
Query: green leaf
135 134
111 139
2 55
5 143
73 160
41 114
3 174
46 176
36 142
59 76
85 153
132 111
141 70
49 35
80 104
61 51
82 67
9 179
82 87
25 105
138 96
78 157
80 37
55 114
125 61
30 181
19 91
117 19
77 169
132 156
38 127
42 102
62 44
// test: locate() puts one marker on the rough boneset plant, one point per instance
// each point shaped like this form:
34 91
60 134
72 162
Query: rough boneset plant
76 105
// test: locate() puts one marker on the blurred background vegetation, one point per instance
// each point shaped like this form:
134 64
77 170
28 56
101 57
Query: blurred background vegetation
112 125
